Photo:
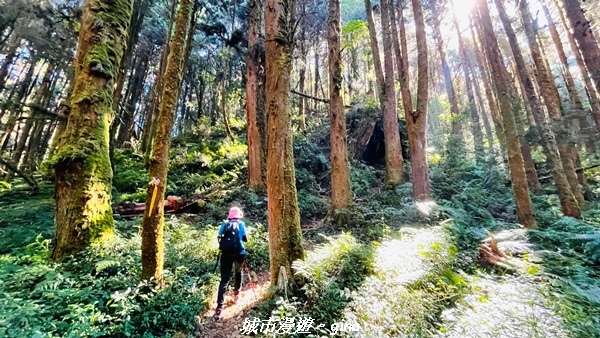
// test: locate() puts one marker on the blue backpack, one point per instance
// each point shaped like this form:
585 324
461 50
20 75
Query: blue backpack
230 244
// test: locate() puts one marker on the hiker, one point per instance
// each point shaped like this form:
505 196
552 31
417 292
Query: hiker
233 253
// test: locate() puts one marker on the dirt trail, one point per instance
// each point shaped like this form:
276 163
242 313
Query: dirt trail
232 317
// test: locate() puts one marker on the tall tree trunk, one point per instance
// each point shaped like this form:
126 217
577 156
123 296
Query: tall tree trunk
475 125
457 132
502 79
592 93
391 133
341 191
529 95
416 121
224 104
150 121
81 163
11 55
132 97
387 100
152 225
489 92
256 173
582 31
489 132
570 83
549 92
404 73
285 234
42 92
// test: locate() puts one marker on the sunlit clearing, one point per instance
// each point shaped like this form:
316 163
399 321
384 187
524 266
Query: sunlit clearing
462 8
426 207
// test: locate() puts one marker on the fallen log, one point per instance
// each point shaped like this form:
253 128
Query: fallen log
172 205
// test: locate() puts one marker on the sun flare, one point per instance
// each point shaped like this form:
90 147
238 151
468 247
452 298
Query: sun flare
462 9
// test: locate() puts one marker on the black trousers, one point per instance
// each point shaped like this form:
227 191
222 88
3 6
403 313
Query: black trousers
226 264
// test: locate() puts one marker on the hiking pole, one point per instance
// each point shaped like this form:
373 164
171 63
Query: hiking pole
250 279
217 262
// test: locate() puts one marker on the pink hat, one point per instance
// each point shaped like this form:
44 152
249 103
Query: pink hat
235 212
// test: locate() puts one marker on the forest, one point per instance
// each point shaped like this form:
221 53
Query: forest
417 168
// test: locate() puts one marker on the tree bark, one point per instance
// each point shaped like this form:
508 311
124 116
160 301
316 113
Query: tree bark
285 235
583 33
549 92
256 173
391 132
81 163
341 191
592 93
416 121
502 80
489 92
570 83
152 225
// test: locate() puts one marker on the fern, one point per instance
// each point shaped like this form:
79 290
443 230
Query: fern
105 264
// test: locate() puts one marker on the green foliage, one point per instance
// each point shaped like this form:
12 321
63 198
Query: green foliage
24 216
98 293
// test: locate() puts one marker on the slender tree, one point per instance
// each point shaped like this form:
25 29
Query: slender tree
387 99
82 168
341 192
152 225
549 92
583 33
593 95
569 204
393 147
505 93
255 113
285 234
457 132
482 65
466 66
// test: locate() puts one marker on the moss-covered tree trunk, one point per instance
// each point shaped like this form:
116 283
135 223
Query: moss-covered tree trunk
341 191
586 39
285 235
505 93
416 121
81 163
152 226
255 112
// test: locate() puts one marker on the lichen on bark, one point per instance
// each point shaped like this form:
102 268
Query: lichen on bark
81 161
